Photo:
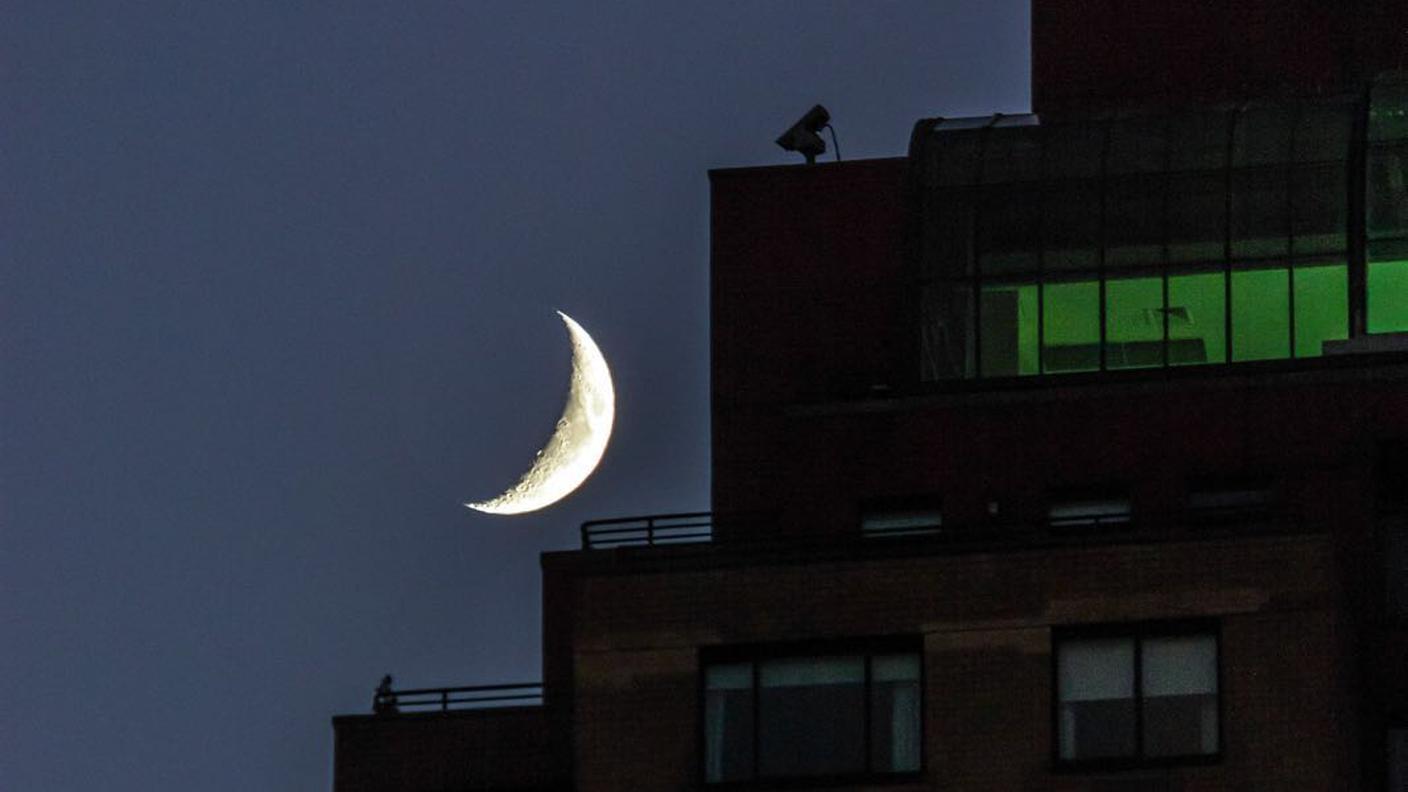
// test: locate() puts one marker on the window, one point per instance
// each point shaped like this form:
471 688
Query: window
1386 206
1395 529
1150 240
1084 514
846 714
1219 503
1397 756
1139 694
900 521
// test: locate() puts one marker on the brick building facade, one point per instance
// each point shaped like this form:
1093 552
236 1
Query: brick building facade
1066 452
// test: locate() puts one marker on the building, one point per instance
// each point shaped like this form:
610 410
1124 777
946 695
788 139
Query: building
1068 452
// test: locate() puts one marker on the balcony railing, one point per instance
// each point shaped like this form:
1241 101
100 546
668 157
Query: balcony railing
655 529
525 694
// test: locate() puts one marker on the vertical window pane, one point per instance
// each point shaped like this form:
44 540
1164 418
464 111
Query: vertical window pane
1388 113
1197 319
1322 307
1261 222
728 722
1261 322
1396 566
1013 154
1387 210
1180 695
894 713
1134 221
1318 208
1198 141
1009 330
811 716
1071 233
948 234
946 331
1095 682
1137 144
1071 325
1397 760
1009 225
1134 323
1388 296
1323 130
1197 217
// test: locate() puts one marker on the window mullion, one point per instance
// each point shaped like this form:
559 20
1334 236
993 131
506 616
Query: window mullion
757 720
1139 696
869 705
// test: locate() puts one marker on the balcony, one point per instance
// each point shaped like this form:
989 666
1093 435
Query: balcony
483 736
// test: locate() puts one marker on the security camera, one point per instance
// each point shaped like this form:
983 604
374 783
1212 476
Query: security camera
802 136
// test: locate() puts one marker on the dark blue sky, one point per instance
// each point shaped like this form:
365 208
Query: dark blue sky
277 296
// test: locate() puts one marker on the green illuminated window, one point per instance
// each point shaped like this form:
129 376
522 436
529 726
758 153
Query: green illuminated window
1149 240
1134 323
1009 316
1321 307
1071 326
1197 319
1388 296
1261 320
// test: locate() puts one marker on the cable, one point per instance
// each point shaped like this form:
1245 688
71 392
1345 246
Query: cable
834 144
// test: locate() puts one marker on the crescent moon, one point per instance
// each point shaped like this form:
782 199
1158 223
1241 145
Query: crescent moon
579 441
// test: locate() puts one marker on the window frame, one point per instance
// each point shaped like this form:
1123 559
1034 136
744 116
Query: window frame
755 654
1099 519
1246 500
916 506
1137 633
1391 725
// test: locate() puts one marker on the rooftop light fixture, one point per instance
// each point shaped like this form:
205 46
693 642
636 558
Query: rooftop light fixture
802 136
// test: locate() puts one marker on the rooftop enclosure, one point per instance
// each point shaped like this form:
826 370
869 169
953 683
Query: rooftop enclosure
1232 233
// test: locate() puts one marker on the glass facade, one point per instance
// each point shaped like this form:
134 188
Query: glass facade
1222 235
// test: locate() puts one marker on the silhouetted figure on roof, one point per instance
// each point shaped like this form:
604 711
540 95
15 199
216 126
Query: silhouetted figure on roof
384 702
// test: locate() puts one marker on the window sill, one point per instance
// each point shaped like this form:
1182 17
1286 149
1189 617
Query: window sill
1122 764
821 782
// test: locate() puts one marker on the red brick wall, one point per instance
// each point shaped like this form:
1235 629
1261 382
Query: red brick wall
1103 54
985 620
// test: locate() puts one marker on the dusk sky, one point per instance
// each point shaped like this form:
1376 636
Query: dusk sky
277 284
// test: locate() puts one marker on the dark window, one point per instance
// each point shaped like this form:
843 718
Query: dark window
1089 513
813 715
1397 750
1137 694
902 521
1396 564
1222 503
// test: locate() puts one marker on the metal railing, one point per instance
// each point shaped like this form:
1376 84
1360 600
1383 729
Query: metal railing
525 694
648 531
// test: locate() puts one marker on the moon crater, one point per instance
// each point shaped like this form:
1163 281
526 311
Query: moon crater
580 437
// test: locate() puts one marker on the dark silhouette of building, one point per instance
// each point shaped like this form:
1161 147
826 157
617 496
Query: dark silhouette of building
1068 452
